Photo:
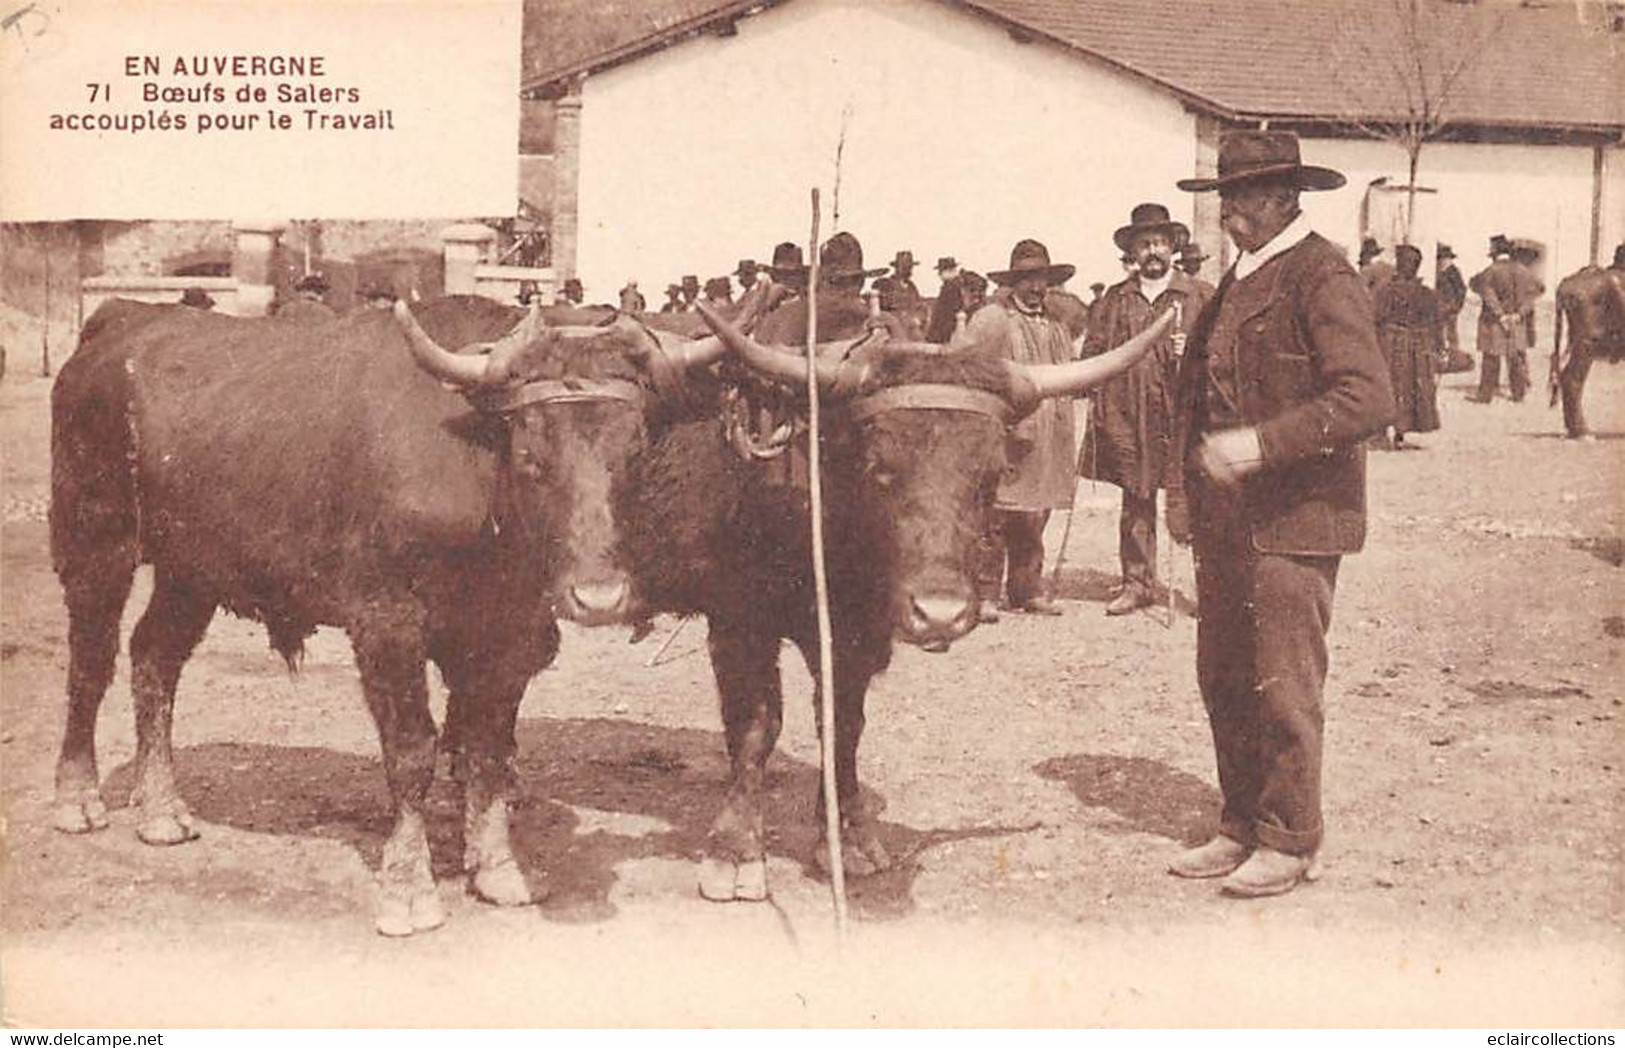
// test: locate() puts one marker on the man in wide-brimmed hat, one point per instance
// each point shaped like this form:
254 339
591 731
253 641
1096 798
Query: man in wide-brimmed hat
1191 260
746 273
1452 291
1374 269
898 295
1127 442
674 300
948 303
1508 291
1281 383
1038 477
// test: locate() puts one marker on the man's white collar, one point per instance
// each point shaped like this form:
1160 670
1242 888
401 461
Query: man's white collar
1251 262
1151 289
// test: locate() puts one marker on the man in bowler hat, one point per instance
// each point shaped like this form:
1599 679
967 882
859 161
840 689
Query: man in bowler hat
1127 442
1281 382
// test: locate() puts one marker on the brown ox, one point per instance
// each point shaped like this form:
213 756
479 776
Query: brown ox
1592 303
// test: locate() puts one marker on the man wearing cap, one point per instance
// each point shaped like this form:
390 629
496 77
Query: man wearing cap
1281 383
1508 292
1452 291
1130 431
940 327
308 306
1038 477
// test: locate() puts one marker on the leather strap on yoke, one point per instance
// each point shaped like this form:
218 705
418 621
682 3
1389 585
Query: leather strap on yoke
931 396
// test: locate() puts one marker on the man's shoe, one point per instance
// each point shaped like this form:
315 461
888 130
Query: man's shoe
1216 858
1132 598
987 612
1038 606
1269 872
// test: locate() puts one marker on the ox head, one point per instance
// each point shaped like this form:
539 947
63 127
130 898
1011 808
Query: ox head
576 404
916 451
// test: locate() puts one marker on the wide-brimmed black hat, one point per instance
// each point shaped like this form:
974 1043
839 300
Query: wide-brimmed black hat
197 298
1248 155
1151 218
904 260
947 262
1500 245
1444 252
841 258
787 261
1192 252
747 268
1031 258
312 282
691 282
718 286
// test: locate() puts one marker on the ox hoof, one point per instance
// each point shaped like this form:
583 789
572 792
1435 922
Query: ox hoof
862 854
166 828
502 885
724 881
81 815
398 917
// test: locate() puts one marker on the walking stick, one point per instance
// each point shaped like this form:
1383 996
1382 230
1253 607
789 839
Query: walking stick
1066 536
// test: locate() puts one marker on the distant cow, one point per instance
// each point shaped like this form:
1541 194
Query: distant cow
913 450
434 505
1592 303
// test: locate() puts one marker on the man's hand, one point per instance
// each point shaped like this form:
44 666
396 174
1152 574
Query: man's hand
1231 454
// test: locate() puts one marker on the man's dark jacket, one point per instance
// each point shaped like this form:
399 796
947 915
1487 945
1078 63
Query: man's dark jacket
1311 378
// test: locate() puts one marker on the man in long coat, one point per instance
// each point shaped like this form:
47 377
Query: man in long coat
1038 477
1280 384
1452 292
1131 427
1508 292
940 328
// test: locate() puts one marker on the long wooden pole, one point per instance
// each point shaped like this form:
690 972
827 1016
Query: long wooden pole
826 655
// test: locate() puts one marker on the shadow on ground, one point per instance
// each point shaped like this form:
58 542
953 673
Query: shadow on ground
593 793
1146 795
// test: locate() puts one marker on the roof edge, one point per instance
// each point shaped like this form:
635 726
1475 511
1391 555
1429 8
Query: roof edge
637 48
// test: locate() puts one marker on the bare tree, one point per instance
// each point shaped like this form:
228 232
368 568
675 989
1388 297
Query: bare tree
1402 64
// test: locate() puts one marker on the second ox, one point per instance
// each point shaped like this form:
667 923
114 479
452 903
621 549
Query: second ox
914 445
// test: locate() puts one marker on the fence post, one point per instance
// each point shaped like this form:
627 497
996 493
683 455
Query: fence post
252 263
465 248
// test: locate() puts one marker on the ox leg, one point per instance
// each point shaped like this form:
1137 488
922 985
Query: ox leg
1571 383
862 853
174 622
95 597
390 656
484 707
746 665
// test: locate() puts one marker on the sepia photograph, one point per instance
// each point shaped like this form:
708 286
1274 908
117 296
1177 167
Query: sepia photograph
813 513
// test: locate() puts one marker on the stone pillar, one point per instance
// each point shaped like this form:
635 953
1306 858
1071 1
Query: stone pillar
1205 219
466 245
253 263
566 182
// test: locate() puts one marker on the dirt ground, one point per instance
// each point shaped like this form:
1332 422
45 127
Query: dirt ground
1034 781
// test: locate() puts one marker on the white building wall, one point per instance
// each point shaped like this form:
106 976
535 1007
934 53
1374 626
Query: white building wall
959 141
1539 192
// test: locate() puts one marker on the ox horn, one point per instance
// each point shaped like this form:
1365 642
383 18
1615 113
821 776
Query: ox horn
486 363
1057 380
787 367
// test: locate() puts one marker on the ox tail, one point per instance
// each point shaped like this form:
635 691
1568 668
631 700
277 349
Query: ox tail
287 639
1554 374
